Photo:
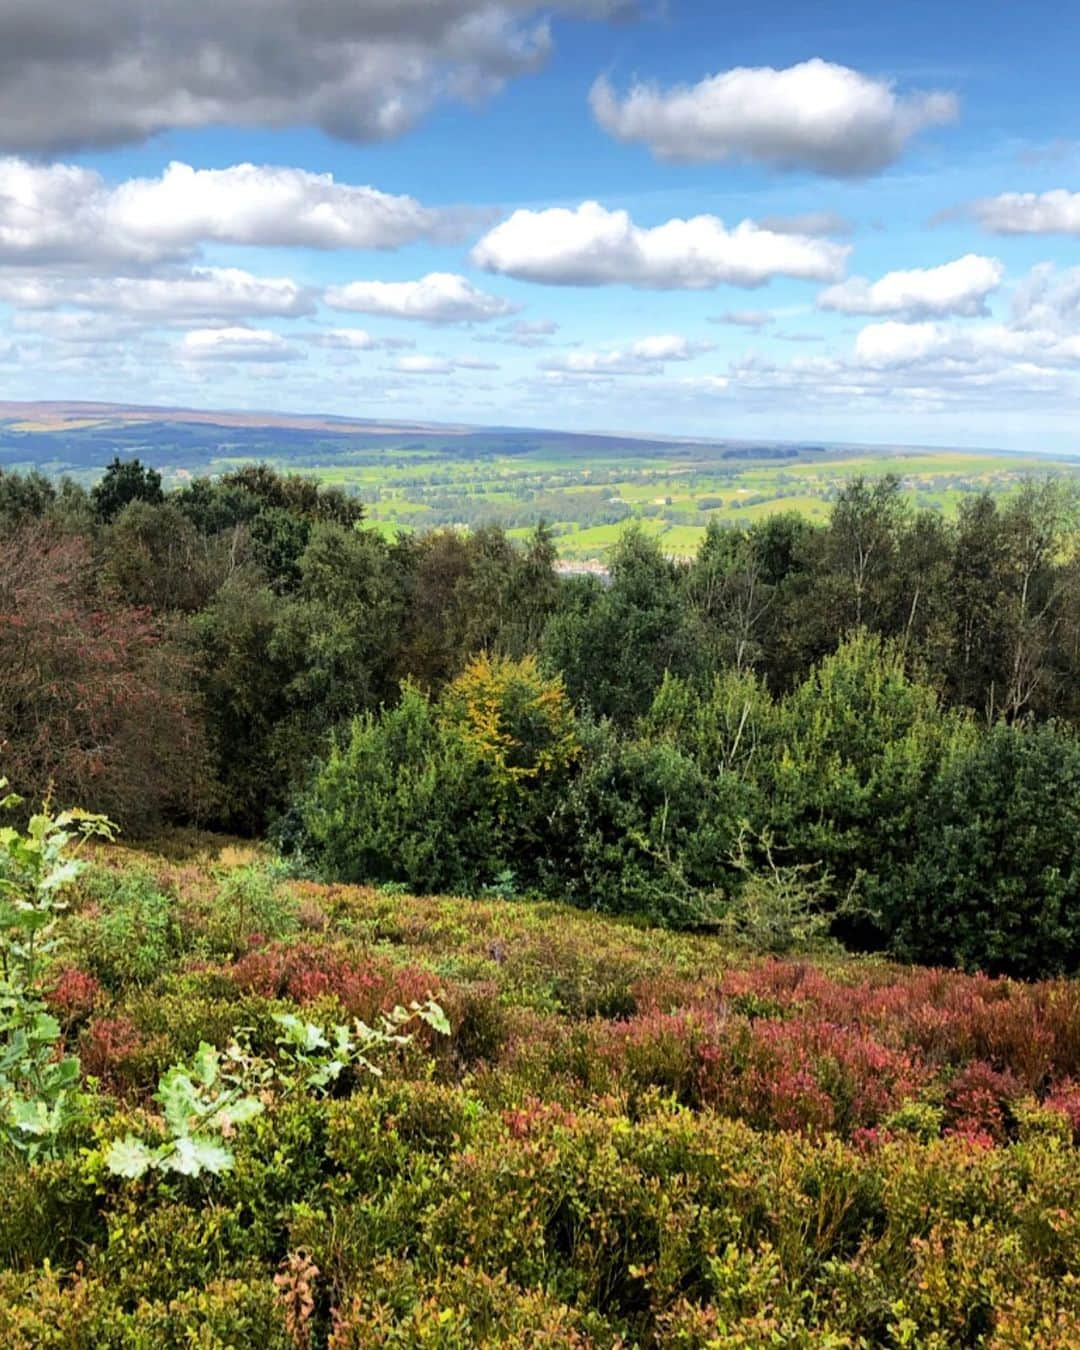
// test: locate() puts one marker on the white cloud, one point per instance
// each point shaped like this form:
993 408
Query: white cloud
62 213
591 246
236 344
744 318
890 345
815 115
105 72
440 297
356 340
268 205
203 293
529 333
646 356
959 287
438 365
1055 212
423 365
532 328
1048 299
667 347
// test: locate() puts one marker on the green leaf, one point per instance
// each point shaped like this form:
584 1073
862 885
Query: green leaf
304 1035
32 1117
205 1064
239 1113
129 1157
179 1099
434 1016
45 1027
193 1156
62 875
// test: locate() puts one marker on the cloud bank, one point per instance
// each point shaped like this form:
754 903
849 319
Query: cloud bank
88 73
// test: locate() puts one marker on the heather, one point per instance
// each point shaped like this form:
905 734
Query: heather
630 1136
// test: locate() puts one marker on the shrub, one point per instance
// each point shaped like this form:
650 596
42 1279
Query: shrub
777 909
400 798
862 744
128 929
994 883
251 907
642 830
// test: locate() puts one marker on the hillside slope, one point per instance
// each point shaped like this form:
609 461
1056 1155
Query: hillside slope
629 1137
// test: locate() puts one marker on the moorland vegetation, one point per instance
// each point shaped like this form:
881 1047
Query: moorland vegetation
628 1088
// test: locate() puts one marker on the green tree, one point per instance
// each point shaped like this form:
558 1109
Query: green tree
859 744
613 644
401 798
125 481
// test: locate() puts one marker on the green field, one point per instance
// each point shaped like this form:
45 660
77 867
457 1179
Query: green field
586 486
588 501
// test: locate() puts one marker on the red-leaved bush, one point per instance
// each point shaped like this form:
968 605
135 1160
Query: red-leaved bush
94 696
304 972
73 996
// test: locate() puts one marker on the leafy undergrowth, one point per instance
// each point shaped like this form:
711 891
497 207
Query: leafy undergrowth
628 1138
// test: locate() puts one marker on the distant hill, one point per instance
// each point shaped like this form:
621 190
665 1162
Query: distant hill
419 474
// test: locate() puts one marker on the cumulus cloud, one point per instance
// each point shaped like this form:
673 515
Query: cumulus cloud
236 344
62 213
203 293
646 356
269 205
959 287
106 72
592 246
440 297
815 115
890 345
1055 212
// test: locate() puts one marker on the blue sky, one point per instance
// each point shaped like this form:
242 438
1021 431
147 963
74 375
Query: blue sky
829 221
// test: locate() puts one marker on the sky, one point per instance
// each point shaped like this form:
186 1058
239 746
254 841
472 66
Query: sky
779 221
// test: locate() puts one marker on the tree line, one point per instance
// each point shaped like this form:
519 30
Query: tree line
888 701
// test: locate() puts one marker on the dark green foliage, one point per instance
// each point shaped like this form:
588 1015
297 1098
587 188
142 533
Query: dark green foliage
125 481
858 745
613 644
24 498
644 830
242 690
400 798
299 496
994 883
153 556
193 658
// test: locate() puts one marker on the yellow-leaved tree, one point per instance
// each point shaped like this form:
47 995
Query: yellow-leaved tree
515 721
